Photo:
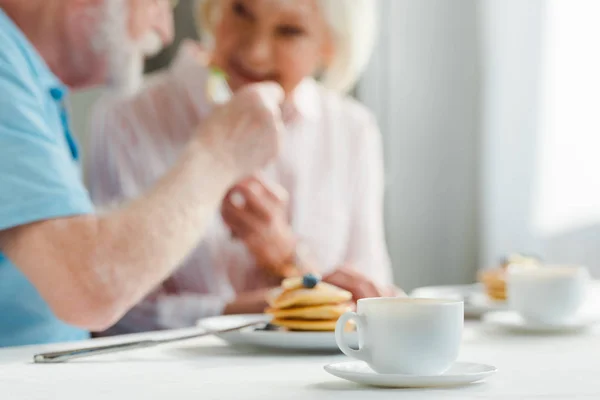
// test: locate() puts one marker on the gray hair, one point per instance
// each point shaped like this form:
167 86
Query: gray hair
352 23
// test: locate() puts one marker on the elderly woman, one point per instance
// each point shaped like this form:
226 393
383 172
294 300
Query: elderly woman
319 207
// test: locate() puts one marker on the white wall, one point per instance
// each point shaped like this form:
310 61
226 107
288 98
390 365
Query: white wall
423 85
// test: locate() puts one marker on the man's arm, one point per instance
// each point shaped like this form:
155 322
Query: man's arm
92 269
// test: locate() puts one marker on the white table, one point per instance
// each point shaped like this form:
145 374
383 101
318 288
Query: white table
556 367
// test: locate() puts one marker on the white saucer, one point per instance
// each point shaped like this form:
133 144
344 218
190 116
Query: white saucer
477 302
511 321
458 374
283 340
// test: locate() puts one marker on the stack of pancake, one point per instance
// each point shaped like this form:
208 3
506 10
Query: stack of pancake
494 282
307 304
494 279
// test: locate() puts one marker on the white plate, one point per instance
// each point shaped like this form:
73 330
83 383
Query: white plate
458 374
311 341
511 321
476 301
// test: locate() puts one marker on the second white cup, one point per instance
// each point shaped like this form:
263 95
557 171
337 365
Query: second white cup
405 336
550 294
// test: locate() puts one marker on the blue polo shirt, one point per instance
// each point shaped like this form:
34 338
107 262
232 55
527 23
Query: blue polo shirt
39 179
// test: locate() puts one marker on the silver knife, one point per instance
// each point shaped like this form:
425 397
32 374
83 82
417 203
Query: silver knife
66 355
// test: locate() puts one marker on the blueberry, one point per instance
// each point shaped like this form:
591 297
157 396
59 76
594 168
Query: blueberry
309 281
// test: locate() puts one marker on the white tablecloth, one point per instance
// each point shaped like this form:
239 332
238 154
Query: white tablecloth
554 367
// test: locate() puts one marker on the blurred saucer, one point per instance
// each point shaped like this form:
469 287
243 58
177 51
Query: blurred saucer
511 321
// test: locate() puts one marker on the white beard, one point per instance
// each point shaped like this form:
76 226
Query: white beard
125 57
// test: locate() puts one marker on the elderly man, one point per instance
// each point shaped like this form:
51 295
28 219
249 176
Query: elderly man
65 270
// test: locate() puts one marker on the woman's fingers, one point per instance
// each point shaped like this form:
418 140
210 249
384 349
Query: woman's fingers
273 190
359 285
240 221
255 201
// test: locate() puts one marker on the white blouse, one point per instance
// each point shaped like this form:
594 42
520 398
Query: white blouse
331 164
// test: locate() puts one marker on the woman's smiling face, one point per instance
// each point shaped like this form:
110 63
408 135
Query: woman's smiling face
277 40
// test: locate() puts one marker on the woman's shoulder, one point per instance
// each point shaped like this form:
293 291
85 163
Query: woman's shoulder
347 108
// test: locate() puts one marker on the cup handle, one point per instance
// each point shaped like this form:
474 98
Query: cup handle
340 327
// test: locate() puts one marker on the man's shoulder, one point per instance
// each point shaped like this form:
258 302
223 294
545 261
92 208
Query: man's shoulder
12 51
19 86
17 70
24 111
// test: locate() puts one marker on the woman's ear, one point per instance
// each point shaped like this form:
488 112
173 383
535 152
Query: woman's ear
327 50
327 55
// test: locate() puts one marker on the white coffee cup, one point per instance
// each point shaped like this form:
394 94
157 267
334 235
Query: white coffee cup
404 335
549 294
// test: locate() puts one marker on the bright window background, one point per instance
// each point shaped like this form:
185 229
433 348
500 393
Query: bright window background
568 168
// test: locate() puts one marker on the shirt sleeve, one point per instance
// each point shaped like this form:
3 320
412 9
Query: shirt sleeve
38 177
367 249
164 310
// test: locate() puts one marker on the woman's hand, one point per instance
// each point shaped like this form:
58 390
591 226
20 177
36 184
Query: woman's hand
359 285
256 213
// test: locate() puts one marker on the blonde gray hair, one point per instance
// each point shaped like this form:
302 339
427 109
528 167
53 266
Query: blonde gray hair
352 24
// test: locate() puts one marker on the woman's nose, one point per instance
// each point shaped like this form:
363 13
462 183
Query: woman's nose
258 50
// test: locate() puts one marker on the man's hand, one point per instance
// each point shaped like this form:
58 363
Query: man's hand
245 133
256 213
